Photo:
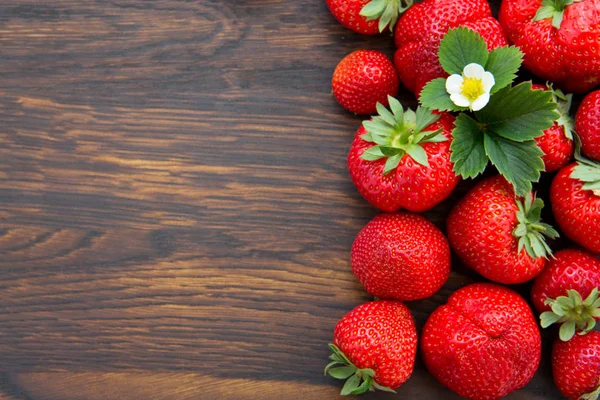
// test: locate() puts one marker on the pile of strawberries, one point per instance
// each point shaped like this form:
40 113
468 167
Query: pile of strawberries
476 112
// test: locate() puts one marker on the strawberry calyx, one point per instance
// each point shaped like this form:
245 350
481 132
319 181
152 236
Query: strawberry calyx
591 395
554 9
563 105
574 313
358 380
586 170
386 11
399 132
530 231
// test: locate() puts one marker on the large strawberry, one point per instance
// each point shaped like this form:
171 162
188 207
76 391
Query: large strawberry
560 39
376 346
421 28
401 256
499 235
362 79
368 17
576 366
401 159
575 198
484 343
587 125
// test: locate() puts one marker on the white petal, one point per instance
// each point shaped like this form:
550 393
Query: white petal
460 100
488 81
454 83
480 102
473 70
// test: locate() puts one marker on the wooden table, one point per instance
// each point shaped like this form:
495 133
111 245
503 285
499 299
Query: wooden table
175 211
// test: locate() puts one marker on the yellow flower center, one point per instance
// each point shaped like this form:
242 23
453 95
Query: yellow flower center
472 88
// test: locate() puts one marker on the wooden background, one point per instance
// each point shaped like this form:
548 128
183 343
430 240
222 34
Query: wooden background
175 211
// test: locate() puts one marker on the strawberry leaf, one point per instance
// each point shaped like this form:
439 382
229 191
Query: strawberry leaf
351 385
435 96
504 63
460 47
468 152
342 372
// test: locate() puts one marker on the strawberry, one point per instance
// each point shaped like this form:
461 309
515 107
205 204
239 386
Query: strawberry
401 256
557 141
376 344
587 125
484 343
366 16
401 159
576 366
575 198
560 39
362 79
499 235
421 28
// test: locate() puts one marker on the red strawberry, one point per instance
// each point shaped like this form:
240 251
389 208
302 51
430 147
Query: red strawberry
557 141
499 235
401 256
587 125
422 27
575 198
558 291
401 159
377 344
484 343
366 16
576 366
560 39
362 79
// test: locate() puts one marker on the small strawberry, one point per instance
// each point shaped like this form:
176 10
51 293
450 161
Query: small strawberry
576 366
362 79
376 344
559 38
497 234
401 159
483 344
421 28
557 141
401 256
587 125
368 17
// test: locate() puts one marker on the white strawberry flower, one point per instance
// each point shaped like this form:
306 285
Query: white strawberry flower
472 88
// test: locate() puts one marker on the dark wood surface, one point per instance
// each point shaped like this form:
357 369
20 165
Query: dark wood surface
175 211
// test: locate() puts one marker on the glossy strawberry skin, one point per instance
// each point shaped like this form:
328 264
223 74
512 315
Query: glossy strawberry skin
421 28
587 125
401 256
410 186
576 364
569 269
480 230
380 335
577 211
484 343
347 12
567 56
362 79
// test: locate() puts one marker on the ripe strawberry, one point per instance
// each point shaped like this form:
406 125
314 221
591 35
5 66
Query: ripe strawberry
401 256
499 235
366 16
422 27
401 159
575 198
484 343
377 344
362 79
558 290
557 141
560 39
576 366
587 125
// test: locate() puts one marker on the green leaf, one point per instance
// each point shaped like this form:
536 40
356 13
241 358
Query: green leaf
372 154
544 12
386 114
336 360
504 63
373 9
435 96
425 118
567 331
364 387
383 388
548 318
519 163
418 154
342 372
460 47
588 173
519 113
350 385
468 153
396 108
389 151
391 163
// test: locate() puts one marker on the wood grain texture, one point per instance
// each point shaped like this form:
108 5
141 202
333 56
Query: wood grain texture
175 211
